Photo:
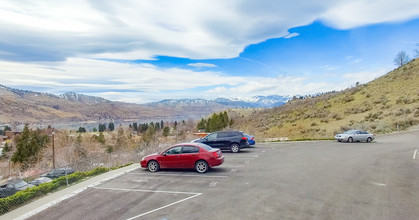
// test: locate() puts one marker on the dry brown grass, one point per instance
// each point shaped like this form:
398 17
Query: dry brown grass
386 104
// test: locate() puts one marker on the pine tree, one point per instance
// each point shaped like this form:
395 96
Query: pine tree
166 131
226 119
202 124
111 126
101 138
29 144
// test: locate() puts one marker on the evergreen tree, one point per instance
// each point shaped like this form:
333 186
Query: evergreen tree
157 126
166 131
225 119
215 123
101 138
29 144
161 124
207 125
135 126
6 148
111 126
102 127
202 124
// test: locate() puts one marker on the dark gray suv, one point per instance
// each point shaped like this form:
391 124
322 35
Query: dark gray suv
225 140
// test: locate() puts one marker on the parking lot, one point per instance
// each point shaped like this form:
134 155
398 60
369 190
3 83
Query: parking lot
293 180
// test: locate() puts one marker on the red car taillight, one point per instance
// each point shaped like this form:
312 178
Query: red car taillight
244 138
217 154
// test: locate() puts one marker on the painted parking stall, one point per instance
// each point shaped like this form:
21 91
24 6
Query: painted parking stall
141 194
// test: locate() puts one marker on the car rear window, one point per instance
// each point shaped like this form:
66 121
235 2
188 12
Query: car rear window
206 147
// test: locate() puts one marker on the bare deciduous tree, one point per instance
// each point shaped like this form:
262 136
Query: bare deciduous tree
401 59
416 50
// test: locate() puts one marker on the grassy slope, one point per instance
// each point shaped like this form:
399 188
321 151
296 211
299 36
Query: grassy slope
386 104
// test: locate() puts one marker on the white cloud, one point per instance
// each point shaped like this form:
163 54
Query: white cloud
203 29
110 79
291 35
355 13
200 65
141 83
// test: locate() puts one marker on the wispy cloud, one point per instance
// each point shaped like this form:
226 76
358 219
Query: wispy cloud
201 65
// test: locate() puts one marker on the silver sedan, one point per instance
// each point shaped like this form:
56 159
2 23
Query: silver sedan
355 136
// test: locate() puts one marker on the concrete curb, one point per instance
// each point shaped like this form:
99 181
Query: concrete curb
45 202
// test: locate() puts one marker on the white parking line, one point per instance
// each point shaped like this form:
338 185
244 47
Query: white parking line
179 175
174 203
414 155
146 190
154 191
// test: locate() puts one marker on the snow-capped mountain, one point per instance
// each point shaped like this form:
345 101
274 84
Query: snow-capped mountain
176 102
255 101
252 102
72 96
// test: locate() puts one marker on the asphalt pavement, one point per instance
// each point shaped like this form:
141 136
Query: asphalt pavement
288 180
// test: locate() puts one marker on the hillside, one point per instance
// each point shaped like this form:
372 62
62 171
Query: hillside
20 106
386 104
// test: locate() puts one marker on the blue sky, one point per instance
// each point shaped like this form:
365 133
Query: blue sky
144 51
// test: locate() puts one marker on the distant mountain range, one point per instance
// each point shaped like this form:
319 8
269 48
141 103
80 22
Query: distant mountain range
22 106
253 102
72 96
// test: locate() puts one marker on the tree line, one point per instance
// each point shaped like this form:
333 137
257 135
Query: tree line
215 123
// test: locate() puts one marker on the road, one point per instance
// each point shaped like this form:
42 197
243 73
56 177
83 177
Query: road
293 180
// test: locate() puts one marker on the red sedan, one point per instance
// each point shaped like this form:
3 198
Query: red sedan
186 155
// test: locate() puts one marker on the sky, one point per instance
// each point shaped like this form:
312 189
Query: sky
150 50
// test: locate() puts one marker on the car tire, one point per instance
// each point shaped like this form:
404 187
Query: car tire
369 140
235 148
153 166
350 139
201 166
